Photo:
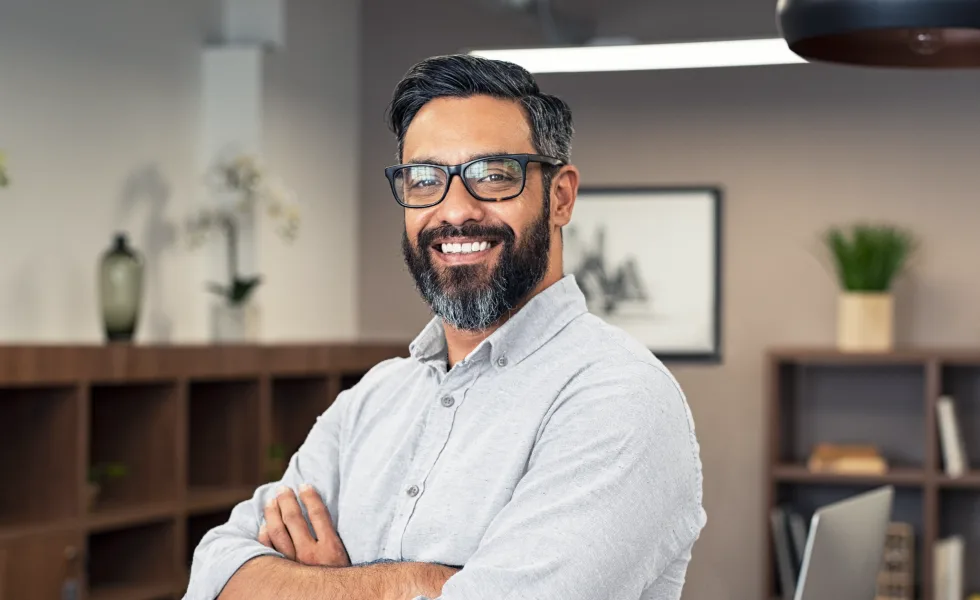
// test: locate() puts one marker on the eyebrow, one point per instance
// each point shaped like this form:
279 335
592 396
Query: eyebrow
435 161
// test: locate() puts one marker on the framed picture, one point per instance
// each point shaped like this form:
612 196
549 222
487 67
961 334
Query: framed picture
649 261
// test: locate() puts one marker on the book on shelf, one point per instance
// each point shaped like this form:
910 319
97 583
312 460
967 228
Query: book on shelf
951 437
787 560
948 561
849 459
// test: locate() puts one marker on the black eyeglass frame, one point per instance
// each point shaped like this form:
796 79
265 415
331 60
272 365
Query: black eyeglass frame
450 170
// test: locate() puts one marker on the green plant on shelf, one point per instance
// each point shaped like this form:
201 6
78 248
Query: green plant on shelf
104 472
276 462
99 475
869 258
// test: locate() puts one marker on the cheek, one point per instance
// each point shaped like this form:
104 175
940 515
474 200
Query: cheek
414 224
517 214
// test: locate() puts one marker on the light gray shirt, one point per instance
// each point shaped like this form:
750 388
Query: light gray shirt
558 461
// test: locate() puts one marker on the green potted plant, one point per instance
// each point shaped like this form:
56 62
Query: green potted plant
99 475
241 184
867 259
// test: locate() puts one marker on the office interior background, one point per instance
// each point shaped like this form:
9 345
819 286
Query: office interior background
110 113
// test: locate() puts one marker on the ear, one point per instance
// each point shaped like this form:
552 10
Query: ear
564 190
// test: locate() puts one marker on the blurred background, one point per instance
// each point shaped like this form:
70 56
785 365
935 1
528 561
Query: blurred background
142 140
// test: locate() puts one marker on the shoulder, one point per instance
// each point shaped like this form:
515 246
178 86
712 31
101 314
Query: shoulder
619 385
600 353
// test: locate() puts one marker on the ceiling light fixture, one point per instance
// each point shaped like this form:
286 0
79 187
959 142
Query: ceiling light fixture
892 33
644 57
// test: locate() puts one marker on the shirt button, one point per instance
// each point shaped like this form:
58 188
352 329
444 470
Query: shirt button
413 491
502 361
447 401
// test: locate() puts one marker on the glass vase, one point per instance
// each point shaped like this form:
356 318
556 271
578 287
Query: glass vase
120 289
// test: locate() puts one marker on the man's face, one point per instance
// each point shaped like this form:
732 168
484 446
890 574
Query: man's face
509 241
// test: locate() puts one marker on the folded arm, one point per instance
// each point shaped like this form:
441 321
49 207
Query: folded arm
231 563
610 504
224 549
273 577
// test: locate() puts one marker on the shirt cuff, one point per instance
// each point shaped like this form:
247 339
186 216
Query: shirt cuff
220 562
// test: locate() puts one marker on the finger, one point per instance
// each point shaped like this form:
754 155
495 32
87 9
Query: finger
264 536
277 530
292 516
318 513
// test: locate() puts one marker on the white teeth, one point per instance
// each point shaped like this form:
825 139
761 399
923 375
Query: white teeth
465 248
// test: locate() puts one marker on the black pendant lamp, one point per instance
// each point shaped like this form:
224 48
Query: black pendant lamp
883 33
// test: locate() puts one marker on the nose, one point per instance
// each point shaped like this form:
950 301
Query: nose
459 206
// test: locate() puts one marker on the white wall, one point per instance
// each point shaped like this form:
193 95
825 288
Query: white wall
99 117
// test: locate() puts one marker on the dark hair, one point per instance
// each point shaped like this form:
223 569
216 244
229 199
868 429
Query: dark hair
463 75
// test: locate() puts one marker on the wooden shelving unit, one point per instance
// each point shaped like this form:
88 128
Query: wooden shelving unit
193 426
888 400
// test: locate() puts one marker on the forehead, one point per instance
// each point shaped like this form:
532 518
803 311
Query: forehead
452 130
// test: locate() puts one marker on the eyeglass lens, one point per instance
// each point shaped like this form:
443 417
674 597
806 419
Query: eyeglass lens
487 179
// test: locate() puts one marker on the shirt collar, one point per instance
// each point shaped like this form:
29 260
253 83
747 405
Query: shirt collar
528 329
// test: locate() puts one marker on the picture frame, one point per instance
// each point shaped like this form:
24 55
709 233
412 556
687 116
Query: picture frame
649 260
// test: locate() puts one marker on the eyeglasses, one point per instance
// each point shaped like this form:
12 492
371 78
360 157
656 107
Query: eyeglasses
491 179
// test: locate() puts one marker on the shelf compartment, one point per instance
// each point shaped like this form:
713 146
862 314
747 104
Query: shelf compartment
132 560
962 383
800 474
39 427
880 405
223 440
806 498
198 525
134 425
959 514
297 402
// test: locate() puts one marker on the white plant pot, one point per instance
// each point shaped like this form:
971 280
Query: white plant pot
865 322
235 323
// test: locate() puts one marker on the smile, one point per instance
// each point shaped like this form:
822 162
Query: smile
468 247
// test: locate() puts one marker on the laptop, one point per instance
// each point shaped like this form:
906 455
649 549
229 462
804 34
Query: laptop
845 547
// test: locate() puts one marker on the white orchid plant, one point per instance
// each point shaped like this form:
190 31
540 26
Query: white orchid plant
254 187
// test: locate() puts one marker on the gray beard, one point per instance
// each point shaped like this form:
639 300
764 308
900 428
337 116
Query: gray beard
472 310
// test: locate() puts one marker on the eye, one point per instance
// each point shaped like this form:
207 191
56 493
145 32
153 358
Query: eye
422 183
497 177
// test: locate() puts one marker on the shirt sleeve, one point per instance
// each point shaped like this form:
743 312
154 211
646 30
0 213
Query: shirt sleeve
610 503
224 549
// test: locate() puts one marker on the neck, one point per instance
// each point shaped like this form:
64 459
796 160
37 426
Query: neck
459 343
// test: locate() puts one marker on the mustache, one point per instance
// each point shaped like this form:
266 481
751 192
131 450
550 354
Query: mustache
502 232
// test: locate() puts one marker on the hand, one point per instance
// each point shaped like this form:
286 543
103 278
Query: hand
286 531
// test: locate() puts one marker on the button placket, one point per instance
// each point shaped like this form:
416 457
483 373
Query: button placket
438 425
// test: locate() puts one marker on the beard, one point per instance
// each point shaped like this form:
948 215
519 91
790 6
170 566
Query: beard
474 297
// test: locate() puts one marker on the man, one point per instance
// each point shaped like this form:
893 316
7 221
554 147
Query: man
525 449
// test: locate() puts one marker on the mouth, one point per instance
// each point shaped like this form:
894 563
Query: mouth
462 250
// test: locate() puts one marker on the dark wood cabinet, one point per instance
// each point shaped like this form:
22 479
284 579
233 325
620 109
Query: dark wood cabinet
178 436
